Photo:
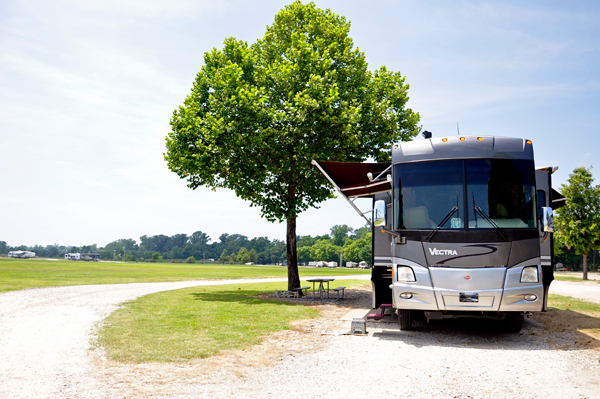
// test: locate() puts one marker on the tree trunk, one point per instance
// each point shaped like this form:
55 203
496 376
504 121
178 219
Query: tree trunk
292 256
585 266
292 252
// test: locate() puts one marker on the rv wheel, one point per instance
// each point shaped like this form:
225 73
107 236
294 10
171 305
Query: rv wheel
513 322
404 319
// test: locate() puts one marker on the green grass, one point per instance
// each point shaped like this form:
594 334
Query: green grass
575 305
570 278
176 326
567 278
18 274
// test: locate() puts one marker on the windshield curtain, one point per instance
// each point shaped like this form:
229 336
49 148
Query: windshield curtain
504 189
427 193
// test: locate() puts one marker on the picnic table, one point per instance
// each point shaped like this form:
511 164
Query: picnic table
321 288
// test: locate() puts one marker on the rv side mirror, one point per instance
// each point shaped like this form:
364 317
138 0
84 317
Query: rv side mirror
379 213
547 219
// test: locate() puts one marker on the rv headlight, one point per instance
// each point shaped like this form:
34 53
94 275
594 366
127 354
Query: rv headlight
529 274
405 273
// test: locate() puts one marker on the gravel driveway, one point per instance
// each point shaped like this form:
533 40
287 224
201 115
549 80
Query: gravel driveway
45 353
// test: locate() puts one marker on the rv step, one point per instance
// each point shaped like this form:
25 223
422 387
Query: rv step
381 314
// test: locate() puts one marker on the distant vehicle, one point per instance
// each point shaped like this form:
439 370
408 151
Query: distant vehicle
363 265
321 264
351 264
86 257
561 268
21 254
331 264
313 263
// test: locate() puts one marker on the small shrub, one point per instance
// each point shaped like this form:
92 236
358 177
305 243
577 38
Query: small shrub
191 259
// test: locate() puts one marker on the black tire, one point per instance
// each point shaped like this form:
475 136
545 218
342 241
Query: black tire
404 319
513 322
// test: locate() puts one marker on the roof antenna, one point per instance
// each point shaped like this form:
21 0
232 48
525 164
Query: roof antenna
457 129
427 134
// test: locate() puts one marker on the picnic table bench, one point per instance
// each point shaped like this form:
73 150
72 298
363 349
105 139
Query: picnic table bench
337 290
300 290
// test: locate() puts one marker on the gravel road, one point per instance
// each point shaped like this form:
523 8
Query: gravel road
45 353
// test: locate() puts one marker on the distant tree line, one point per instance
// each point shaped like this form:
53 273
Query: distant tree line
355 244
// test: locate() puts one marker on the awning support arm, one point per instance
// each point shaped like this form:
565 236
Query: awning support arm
381 174
340 191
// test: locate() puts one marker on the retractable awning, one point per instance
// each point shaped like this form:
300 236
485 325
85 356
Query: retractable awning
356 180
558 200
351 178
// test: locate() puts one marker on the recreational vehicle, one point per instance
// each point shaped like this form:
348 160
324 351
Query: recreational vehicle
462 227
21 254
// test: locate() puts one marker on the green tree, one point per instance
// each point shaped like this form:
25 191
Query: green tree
253 256
361 232
325 250
340 233
224 257
190 259
243 255
259 114
305 254
358 250
199 237
579 219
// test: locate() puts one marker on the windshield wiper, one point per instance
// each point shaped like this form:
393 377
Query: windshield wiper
443 222
489 220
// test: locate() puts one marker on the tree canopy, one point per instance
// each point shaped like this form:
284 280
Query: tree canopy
259 114
579 219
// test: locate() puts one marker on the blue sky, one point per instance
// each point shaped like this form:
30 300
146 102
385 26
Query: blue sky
88 89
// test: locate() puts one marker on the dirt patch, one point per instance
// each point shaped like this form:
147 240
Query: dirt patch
570 330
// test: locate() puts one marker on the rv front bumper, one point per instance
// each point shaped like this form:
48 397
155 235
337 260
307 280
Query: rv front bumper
472 289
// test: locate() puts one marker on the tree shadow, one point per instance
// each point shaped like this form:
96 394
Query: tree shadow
242 296
558 329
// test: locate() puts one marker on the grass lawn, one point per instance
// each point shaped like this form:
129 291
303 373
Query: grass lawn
562 277
568 278
176 326
18 274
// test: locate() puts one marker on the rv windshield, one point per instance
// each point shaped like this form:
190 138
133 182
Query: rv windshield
426 194
504 189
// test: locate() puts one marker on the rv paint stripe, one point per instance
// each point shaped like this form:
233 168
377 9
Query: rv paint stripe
546 263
